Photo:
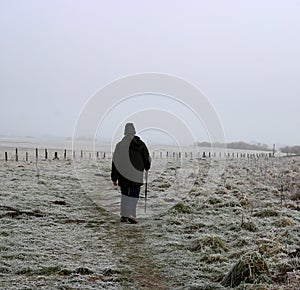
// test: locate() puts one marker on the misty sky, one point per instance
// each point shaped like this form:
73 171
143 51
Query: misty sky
243 55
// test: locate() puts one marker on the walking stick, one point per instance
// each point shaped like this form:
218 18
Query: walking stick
146 188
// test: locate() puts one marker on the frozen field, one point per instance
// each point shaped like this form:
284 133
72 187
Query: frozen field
204 216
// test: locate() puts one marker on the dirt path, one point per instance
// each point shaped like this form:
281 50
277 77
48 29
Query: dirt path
136 267
128 242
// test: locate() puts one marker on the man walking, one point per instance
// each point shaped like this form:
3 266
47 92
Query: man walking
130 159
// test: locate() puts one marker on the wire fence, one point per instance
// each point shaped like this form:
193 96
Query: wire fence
29 155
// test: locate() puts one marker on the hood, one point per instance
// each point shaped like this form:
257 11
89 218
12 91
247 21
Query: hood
135 142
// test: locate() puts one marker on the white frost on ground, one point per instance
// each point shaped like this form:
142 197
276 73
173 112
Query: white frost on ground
54 234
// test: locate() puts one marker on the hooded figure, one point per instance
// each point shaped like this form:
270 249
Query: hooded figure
130 159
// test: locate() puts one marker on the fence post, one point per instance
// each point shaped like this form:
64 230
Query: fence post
55 156
73 154
46 154
36 153
26 156
6 157
65 154
81 154
17 156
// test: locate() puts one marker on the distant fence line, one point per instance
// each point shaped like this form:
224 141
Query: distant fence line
54 154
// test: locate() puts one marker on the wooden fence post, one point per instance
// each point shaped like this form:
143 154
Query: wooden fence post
36 153
26 156
55 156
6 157
65 154
17 155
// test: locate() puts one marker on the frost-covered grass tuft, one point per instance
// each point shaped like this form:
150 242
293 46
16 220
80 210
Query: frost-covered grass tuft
182 208
251 268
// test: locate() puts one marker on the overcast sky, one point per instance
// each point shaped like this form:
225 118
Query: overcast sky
243 55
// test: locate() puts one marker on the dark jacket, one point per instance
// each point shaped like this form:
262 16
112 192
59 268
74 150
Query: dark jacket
130 159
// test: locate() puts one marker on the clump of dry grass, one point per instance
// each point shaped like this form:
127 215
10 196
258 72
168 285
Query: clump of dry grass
215 243
269 247
245 202
214 200
249 226
284 222
250 268
266 213
182 208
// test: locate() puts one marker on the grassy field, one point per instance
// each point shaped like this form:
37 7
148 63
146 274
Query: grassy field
59 227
